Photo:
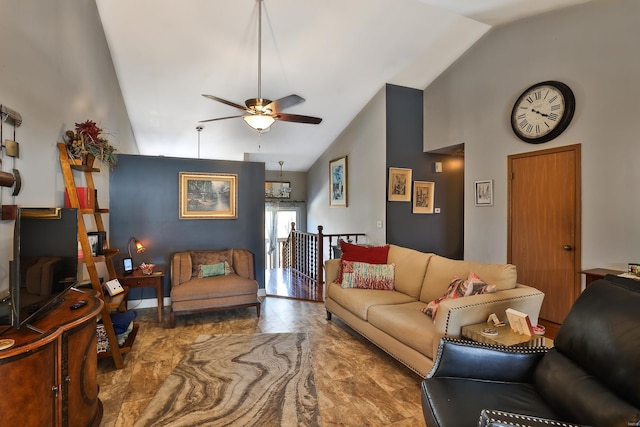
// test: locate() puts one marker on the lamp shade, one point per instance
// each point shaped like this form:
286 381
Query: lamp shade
136 243
259 122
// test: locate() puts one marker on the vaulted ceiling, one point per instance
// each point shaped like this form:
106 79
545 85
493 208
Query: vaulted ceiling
336 54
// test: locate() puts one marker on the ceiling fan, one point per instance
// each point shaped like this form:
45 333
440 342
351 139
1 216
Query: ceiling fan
260 113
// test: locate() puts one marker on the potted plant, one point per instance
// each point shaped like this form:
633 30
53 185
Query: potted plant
88 143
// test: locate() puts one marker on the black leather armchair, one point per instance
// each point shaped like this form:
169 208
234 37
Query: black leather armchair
591 376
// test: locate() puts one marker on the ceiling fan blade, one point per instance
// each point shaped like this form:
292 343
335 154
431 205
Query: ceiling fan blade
224 101
298 118
219 118
286 102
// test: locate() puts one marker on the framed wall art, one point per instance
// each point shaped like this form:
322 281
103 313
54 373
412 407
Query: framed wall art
423 193
208 195
277 190
399 185
338 182
484 193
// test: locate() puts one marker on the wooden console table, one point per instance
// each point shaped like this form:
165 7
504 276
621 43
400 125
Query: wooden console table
594 274
137 279
50 379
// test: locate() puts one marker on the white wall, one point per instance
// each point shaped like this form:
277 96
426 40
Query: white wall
55 70
364 142
592 48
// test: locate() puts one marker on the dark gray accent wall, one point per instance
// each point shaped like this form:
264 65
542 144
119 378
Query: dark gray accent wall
144 202
441 233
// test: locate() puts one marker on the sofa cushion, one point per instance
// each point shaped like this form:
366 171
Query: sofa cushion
440 270
360 253
199 258
361 275
358 301
406 323
214 287
411 266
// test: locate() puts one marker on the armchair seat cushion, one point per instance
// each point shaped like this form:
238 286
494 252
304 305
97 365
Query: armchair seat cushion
214 287
459 401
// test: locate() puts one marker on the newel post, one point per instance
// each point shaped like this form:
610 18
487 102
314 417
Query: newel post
320 254
292 246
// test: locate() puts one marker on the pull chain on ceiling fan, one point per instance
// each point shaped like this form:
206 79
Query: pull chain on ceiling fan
261 113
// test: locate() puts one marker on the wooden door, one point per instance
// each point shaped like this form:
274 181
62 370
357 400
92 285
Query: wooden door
544 225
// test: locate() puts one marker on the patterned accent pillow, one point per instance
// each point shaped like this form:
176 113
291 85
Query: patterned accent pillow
199 258
459 288
362 275
360 253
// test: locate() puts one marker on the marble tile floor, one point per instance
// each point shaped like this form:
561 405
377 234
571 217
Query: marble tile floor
357 384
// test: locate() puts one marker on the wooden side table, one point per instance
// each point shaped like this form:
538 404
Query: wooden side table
597 273
505 337
153 280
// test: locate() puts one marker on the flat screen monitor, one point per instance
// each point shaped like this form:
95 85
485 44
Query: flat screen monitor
45 262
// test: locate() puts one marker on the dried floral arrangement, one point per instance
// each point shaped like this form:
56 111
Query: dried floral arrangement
88 141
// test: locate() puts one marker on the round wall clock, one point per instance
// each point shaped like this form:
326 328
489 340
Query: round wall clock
543 112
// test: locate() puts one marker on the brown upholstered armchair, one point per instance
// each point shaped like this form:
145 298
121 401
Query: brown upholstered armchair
212 280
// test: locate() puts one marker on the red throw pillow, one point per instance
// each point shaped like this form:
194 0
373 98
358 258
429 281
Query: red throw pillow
359 253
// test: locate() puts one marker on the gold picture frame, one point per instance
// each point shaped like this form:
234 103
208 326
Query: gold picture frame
277 190
208 195
423 192
338 182
399 185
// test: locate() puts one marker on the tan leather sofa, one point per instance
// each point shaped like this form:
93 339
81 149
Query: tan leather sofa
393 320
192 294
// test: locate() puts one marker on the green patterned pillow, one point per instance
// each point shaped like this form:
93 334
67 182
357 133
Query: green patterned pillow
362 275
210 270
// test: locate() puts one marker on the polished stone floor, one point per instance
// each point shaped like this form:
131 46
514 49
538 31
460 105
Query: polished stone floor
357 384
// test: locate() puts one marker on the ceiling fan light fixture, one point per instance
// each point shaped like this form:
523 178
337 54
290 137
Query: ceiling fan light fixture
259 122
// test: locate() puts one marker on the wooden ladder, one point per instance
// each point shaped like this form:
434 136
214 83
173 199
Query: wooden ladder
110 303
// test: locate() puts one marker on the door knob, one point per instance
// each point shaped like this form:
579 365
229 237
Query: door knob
567 247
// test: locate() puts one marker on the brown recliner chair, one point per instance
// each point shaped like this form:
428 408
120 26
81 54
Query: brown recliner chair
590 377
194 292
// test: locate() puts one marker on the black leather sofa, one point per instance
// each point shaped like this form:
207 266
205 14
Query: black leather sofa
591 376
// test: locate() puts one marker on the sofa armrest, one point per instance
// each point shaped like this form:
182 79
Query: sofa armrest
453 314
468 359
180 268
331 270
493 418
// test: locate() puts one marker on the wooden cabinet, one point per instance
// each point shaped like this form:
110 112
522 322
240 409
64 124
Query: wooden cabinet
50 379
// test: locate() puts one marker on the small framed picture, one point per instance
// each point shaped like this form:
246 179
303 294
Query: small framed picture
338 182
423 192
98 241
127 265
484 193
399 185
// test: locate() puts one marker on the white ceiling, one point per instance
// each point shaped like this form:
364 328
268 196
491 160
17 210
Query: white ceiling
336 54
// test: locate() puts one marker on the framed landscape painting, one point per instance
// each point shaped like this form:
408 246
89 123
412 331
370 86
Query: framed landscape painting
208 195
423 192
399 185
338 182
277 190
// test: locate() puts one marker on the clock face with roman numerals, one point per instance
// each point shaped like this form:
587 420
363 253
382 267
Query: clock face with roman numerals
543 112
